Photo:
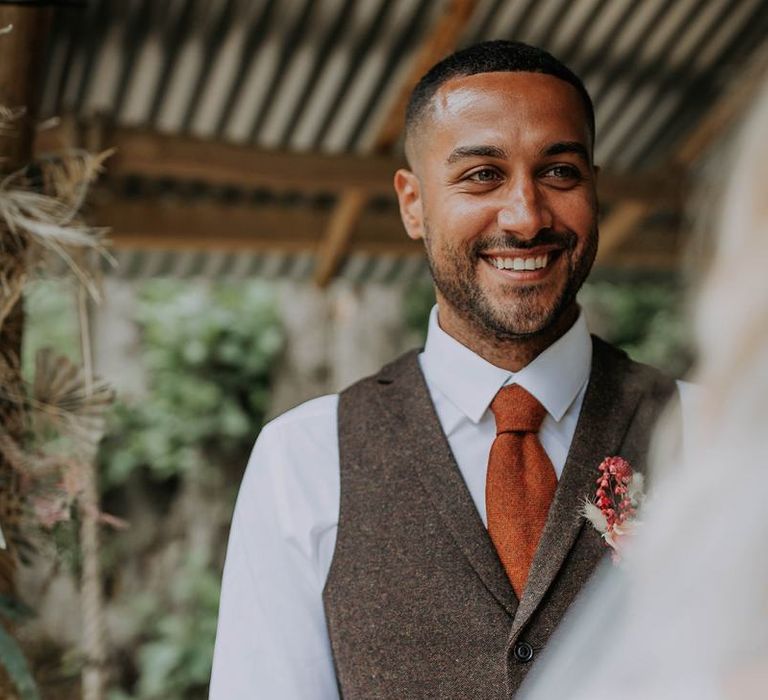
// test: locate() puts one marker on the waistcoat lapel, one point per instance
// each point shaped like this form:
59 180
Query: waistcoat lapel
423 443
607 411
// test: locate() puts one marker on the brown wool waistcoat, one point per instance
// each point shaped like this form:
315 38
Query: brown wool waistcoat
417 602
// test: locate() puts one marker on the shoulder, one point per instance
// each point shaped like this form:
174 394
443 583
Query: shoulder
313 413
405 368
301 445
310 425
362 404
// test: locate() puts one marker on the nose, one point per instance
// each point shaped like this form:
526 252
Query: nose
524 211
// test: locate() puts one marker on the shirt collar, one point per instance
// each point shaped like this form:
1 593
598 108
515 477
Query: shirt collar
470 383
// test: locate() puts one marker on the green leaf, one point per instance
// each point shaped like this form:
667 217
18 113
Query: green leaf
13 609
15 664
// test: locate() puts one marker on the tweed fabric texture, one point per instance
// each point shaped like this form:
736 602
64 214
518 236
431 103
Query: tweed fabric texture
520 482
417 602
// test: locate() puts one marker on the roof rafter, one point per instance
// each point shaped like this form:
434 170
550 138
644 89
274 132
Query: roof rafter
153 155
437 43
626 217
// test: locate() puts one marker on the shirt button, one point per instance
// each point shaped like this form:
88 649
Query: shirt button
523 652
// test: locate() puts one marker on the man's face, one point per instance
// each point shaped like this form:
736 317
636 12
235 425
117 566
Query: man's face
503 194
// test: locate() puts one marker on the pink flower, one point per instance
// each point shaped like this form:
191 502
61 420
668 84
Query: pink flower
618 495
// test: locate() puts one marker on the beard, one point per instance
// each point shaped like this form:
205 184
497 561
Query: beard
519 310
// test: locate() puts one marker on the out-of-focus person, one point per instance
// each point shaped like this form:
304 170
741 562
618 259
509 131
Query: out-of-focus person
686 615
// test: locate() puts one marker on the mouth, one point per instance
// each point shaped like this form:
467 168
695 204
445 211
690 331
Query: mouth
522 265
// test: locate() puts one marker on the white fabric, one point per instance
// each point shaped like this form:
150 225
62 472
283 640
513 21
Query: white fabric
272 641
687 618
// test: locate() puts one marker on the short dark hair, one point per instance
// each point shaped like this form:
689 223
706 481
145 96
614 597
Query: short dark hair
490 57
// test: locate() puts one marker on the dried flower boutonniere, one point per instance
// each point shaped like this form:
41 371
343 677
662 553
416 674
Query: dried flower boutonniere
613 512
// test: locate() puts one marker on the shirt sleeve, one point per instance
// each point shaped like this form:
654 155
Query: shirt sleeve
271 639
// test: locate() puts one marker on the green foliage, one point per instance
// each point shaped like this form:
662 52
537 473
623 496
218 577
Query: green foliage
14 610
417 303
208 354
51 321
644 318
11 655
174 661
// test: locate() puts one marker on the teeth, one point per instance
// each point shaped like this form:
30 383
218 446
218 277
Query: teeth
520 263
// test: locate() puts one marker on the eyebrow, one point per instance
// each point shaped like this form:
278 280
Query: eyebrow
475 152
560 147
482 151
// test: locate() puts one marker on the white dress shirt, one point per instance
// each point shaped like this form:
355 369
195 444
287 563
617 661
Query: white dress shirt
272 641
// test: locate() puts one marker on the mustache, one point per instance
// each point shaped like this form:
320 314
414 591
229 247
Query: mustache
565 240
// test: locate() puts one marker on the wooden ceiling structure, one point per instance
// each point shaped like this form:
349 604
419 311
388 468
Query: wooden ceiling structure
256 137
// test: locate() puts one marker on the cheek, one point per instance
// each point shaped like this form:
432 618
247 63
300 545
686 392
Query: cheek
577 214
457 221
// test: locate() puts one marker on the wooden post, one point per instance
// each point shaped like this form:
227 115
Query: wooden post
24 30
22 50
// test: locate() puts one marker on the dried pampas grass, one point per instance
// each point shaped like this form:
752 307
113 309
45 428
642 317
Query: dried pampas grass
62 397
51 472
8 116
39 207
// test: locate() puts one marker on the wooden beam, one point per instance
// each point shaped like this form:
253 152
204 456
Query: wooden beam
727 110
335 243
163 224
155 155
179 225
615 228
436 46
440 41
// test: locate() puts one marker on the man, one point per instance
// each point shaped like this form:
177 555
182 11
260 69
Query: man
419 535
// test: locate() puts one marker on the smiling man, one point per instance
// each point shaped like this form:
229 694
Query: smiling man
418 535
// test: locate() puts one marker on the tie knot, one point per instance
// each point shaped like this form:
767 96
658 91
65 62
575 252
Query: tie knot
517 411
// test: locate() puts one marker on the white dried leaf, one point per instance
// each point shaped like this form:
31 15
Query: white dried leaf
595 516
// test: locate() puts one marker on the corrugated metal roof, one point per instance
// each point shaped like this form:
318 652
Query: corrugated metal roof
319 74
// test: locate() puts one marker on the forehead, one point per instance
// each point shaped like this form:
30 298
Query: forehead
505 108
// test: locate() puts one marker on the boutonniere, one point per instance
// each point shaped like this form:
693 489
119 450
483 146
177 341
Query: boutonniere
613 512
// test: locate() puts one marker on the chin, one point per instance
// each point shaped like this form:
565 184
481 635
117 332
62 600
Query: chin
520 319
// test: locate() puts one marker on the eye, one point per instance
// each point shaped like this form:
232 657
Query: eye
484 175
563 175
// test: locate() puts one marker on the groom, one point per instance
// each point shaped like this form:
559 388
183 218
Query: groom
418 535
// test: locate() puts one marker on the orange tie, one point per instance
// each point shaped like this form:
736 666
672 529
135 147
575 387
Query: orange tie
520 484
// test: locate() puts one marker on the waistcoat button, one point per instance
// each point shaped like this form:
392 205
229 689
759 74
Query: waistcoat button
523 652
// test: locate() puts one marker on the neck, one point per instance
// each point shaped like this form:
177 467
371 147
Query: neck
511 354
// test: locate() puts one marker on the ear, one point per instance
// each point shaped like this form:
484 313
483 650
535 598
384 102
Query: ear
408 191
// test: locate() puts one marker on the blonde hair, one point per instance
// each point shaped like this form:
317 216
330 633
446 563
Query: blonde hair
731 314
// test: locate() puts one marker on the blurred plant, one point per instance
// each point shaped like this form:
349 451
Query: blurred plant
175 655
51 321
49 428
66 421
13 657
209 354
645 318
417 303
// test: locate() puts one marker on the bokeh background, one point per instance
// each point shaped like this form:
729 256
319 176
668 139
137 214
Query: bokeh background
259 259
